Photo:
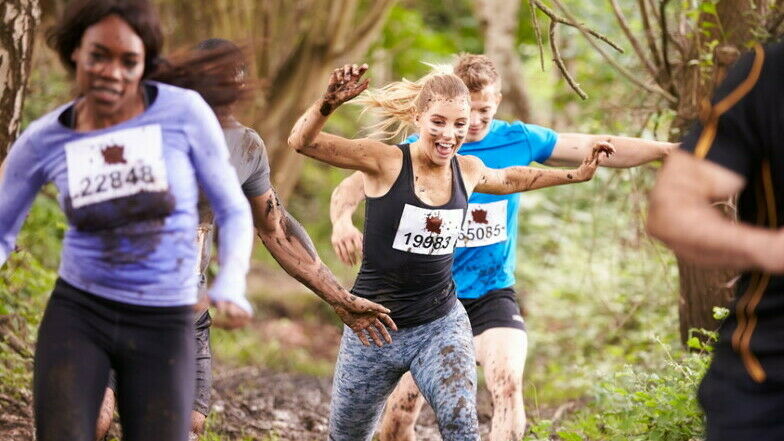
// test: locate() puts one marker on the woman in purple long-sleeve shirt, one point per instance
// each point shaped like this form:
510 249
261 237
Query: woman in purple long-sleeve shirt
127 156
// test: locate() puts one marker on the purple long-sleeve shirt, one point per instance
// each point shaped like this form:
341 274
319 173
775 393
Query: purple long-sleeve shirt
129 192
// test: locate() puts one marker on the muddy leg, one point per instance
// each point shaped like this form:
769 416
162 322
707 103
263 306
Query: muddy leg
105 416
402 411
502 351
364 378
445 371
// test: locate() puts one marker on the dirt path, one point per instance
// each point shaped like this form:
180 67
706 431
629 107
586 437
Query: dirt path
252 402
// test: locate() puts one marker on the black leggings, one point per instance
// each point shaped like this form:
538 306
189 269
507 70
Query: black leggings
82 337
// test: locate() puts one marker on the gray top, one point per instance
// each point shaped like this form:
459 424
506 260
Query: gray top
248 157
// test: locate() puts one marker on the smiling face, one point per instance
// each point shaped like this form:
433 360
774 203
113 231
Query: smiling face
484 105
109 65
443 127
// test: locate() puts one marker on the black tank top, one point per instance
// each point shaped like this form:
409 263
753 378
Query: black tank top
408 249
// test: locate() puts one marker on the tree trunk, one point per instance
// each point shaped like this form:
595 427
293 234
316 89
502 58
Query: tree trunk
17 33
294 45
498 20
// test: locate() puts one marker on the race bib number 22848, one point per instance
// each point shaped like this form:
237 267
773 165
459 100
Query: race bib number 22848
114 165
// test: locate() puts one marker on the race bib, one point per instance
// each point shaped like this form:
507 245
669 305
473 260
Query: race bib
485 224
424 231
115 165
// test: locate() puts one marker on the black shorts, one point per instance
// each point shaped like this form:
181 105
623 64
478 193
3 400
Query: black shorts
496 309
201 401
739 409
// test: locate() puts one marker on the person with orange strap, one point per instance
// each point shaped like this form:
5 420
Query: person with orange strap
736 149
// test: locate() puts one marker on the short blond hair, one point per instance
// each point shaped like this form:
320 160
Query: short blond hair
476 71
397 104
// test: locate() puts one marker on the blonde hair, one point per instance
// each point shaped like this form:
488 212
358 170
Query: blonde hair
397 104
477 72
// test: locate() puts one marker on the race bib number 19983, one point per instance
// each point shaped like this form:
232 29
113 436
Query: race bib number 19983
425 231
115 165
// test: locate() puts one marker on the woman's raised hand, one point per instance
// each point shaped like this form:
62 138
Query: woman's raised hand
344 84
591 163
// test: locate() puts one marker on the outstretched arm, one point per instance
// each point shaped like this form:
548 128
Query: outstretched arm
290 245
683 216
571 148
19 184
519 178
307 138
346 238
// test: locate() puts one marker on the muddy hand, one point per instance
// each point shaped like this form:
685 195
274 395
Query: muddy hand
347 242
344 84
591 163
230 315
601 147
366 318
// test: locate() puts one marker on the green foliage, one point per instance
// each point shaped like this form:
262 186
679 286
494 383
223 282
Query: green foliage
25 282
244 347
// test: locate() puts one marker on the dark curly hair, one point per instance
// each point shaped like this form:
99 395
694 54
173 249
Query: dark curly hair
79 15
211 70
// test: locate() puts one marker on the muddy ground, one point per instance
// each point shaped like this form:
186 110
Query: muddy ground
256 403
251 402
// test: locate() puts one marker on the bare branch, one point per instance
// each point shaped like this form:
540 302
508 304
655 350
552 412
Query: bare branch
633 40
665 37
537 32
649 35
559 62
340 24
374 16
368 31
622 70
557 18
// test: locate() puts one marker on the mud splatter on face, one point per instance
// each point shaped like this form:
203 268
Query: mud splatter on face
479 216
433 224
114 154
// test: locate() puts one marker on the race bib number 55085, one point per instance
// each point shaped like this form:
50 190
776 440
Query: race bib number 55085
485 224
114 165
425 231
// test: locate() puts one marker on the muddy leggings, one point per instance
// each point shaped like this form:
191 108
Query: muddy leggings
82 336
440 356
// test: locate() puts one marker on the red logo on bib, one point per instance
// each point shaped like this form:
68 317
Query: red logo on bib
114 154
433 224
479 216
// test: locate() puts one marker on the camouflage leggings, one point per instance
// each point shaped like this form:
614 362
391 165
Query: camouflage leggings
440 356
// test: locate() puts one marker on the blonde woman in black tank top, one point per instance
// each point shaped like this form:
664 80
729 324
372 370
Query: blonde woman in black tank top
417 197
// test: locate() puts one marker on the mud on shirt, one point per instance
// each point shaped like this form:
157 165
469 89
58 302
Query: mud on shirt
129 192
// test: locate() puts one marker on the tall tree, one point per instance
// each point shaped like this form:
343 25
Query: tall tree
683 50
499 21
295 44
19 20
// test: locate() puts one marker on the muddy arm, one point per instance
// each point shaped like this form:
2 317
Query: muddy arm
290 245
308 139
519 178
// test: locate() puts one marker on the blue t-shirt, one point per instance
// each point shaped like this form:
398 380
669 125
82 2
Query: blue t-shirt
485 256
129 192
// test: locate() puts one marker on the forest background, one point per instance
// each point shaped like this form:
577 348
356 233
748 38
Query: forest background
607 359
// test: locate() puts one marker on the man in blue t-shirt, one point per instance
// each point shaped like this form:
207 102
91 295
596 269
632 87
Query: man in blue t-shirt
484 262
